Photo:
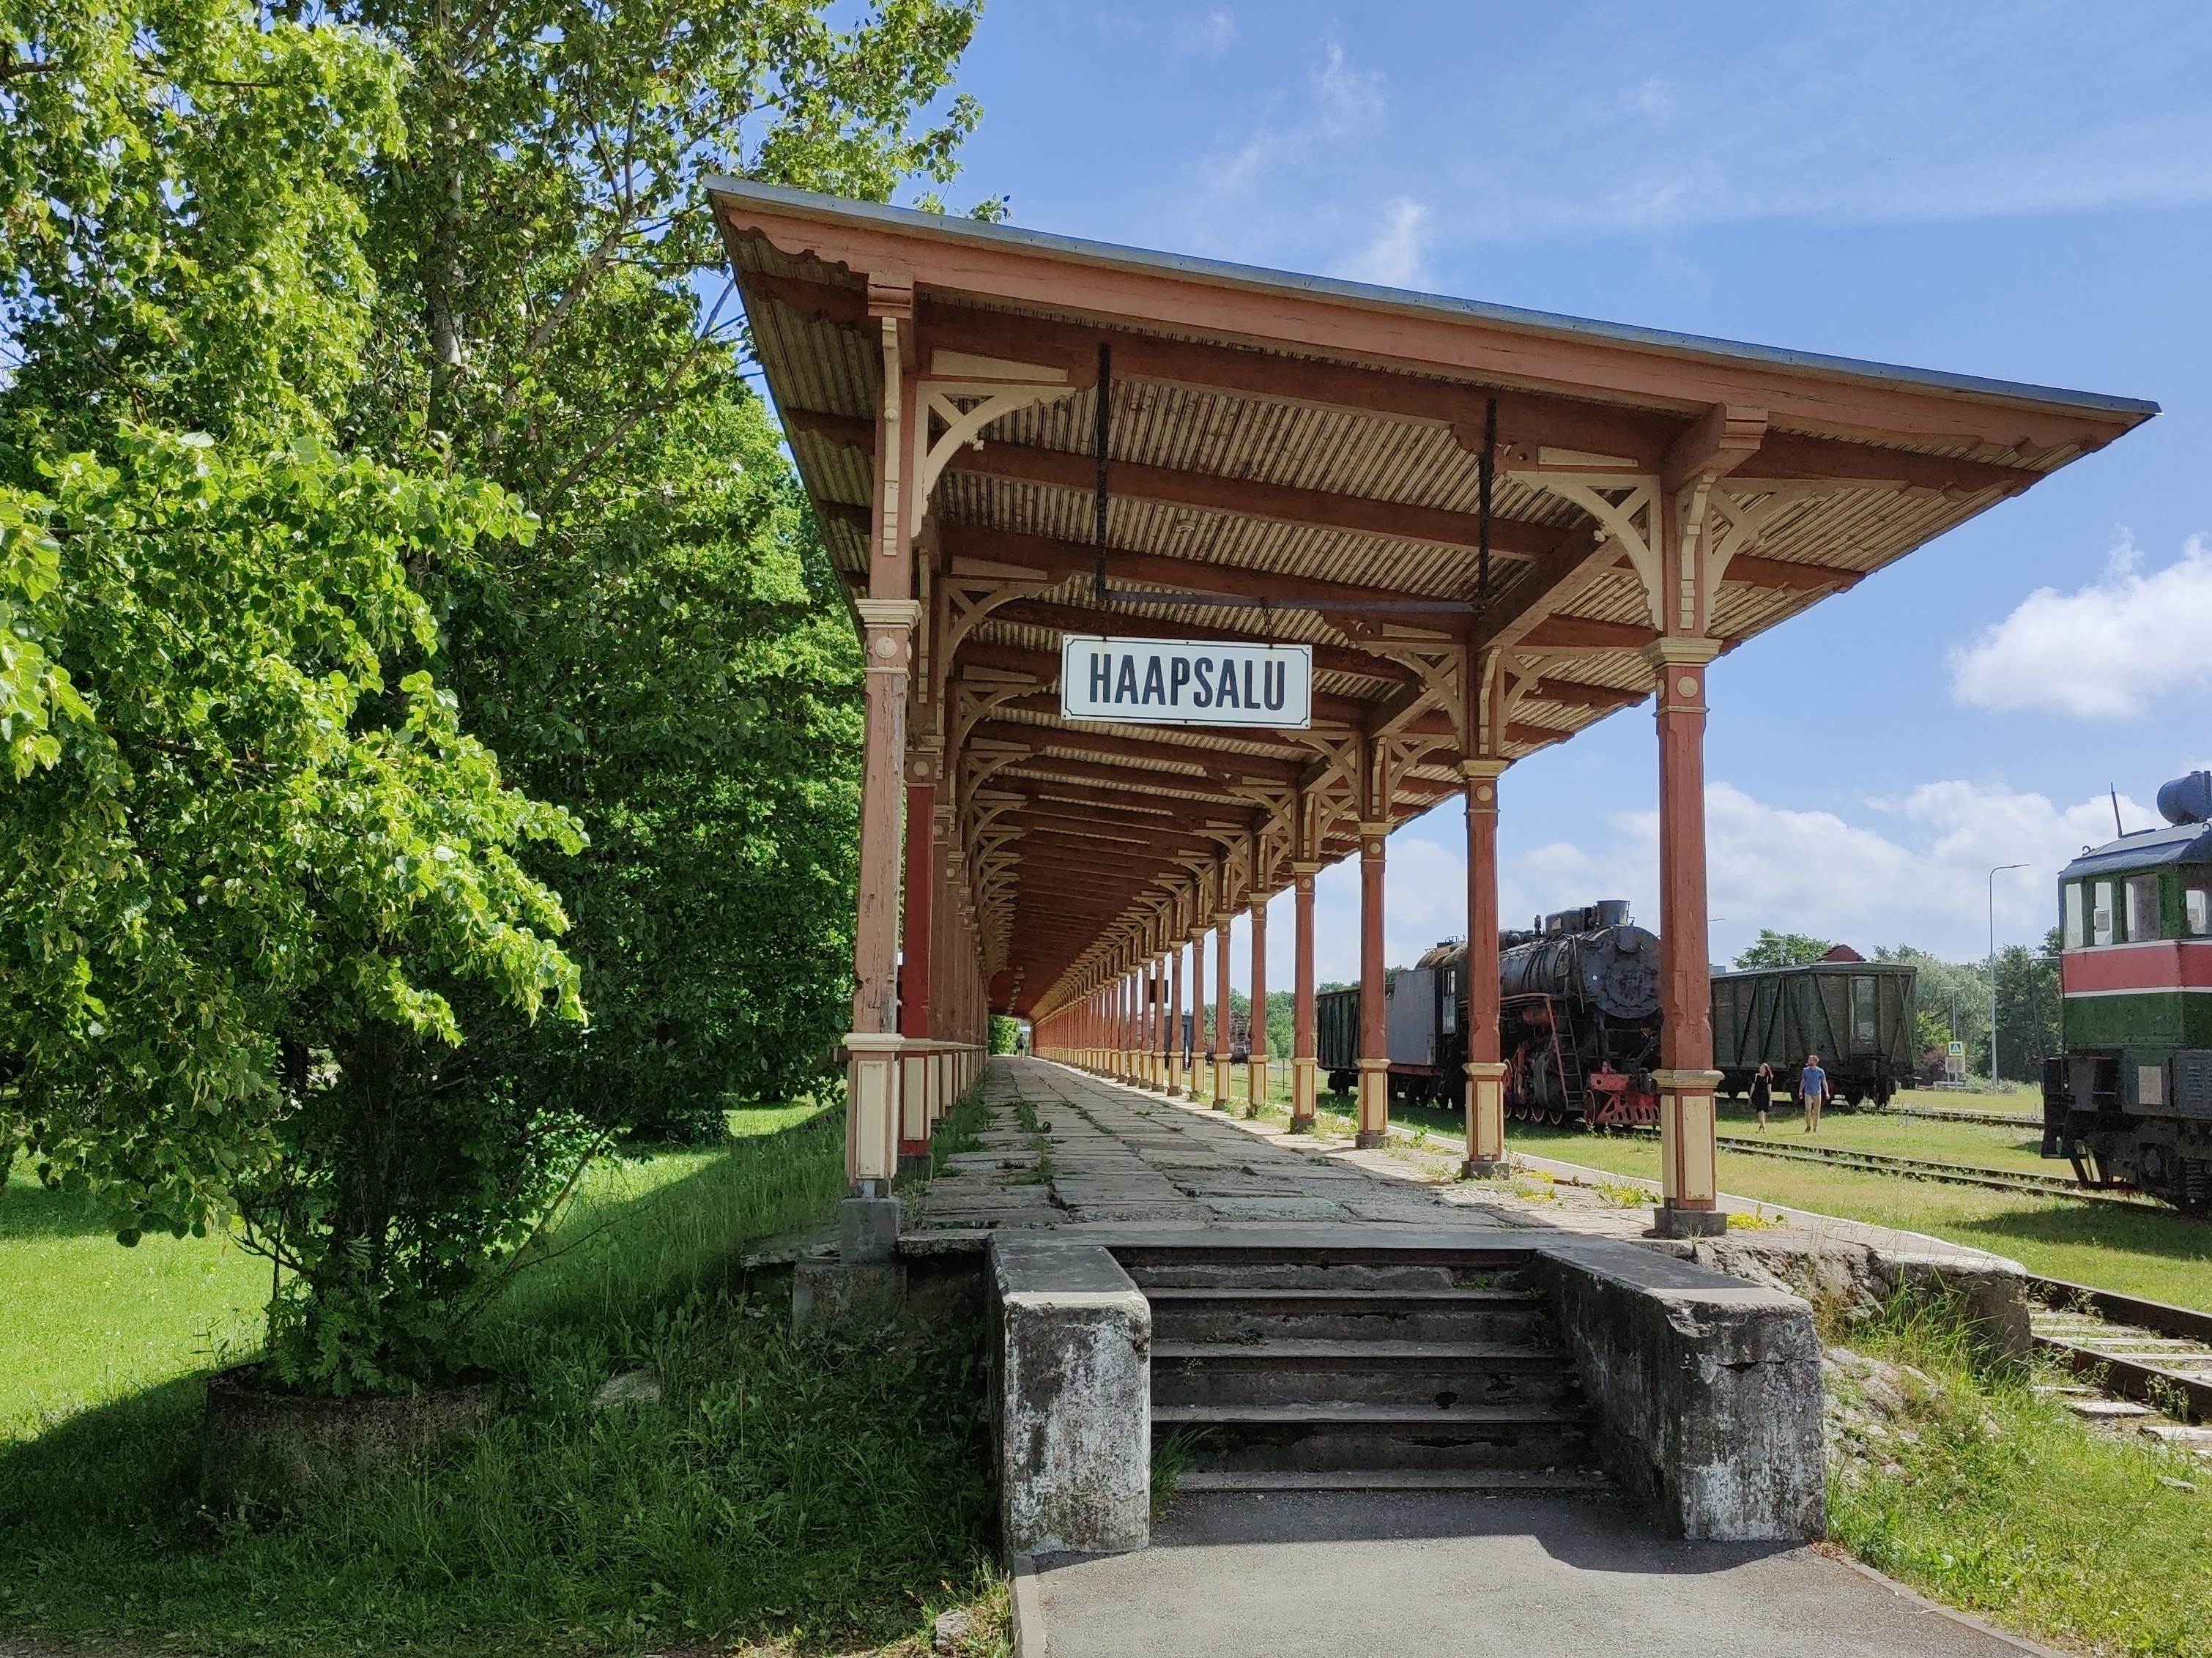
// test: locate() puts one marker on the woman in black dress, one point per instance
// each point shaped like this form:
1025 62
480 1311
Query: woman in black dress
1762 1093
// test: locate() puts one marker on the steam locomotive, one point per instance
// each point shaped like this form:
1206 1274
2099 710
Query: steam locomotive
2129 1102
1578 1021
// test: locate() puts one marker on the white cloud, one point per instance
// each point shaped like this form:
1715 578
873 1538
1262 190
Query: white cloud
2103 651
1342 100
1347 99
1210 34
1397 255
1918 874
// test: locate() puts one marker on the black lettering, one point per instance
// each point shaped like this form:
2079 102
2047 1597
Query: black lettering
1227 695
1125 687
1101 677
1178 677
1203 696
1154 691
1275 679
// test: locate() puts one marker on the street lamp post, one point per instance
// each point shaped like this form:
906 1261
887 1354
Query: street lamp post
1994 873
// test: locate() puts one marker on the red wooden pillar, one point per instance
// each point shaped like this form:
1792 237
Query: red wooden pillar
1485 1076
1255 1069
1200 1051
872 1131
1374 1014
918 970
1689 1182
1303 1099
1173 1035
1221 1044
1131 1047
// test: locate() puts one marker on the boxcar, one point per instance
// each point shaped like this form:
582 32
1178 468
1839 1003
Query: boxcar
1856 1016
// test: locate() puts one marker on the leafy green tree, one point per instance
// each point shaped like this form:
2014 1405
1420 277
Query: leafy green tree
2027 1008
1951 1001
183 185
1773 949
239 870
672 659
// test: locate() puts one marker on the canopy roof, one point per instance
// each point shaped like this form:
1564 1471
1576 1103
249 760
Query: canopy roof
1297 458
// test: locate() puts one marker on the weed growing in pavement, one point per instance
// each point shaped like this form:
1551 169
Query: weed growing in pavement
1622 1194
960 1130
1171 1460
1754 1219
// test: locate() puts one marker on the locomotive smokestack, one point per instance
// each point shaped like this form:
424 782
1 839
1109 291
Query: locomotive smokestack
2187 799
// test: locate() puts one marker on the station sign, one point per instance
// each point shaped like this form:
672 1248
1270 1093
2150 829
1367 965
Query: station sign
1185 682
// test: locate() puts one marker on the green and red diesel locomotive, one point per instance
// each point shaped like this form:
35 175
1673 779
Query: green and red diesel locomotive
2128 1101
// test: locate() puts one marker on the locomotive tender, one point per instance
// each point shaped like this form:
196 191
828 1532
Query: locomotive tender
1578 1021
2128 1101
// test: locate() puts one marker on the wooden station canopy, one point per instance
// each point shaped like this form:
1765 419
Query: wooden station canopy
1296 459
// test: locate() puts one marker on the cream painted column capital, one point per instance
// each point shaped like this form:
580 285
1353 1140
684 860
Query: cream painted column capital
1681 651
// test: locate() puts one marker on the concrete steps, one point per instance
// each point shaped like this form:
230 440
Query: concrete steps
1382 1371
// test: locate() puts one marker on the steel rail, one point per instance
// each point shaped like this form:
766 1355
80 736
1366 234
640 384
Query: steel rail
2132 1375
1954 1174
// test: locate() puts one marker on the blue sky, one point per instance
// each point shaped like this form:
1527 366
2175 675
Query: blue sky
2022 190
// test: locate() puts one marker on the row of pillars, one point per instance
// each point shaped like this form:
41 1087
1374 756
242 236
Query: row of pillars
1130 1028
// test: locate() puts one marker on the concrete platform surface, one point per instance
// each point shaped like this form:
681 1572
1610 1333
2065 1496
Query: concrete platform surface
1392 1576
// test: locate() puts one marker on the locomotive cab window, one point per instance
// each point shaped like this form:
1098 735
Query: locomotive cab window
2073 915
2196 906
2100 915
2142 893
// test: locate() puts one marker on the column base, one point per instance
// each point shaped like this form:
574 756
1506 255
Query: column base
1221 1100
1304 1102
914 1167
1255 1086
867 1230
1374 1103
1483 1168
1669 1221
1368 1140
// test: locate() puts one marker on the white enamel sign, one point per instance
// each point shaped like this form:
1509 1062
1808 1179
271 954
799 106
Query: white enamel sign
1184 681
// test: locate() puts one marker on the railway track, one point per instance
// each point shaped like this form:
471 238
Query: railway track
1955 1173
1945 1114
2144 1351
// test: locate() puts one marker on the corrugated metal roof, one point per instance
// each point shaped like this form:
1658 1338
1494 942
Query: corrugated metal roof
1259 279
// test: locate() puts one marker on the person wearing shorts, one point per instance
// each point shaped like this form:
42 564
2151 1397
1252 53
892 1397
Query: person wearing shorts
1813 1092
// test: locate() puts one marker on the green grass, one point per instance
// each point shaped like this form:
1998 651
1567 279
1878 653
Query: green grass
2149 1251
2142 1252
84 1321
810 1490
1984 1495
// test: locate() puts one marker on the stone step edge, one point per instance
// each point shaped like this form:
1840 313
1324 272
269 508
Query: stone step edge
1336 1415
1354 1351
1497 1482
1378 1299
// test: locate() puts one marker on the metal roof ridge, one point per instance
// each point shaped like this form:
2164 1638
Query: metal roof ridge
1229 273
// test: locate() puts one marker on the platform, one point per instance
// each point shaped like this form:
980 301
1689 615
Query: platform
1349 1575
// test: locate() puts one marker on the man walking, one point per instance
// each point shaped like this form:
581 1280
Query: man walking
1813 1092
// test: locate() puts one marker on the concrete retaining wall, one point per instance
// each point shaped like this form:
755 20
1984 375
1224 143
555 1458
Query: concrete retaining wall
1072 1398
1707 1389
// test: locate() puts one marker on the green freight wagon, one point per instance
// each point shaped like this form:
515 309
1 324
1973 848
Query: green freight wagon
1856 1016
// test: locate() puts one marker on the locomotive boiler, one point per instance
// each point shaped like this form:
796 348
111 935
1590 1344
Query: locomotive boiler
1578 1021
2128 1101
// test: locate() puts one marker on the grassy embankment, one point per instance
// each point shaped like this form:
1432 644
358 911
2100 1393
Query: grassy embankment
795 1491
2148 1251
1984 1495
